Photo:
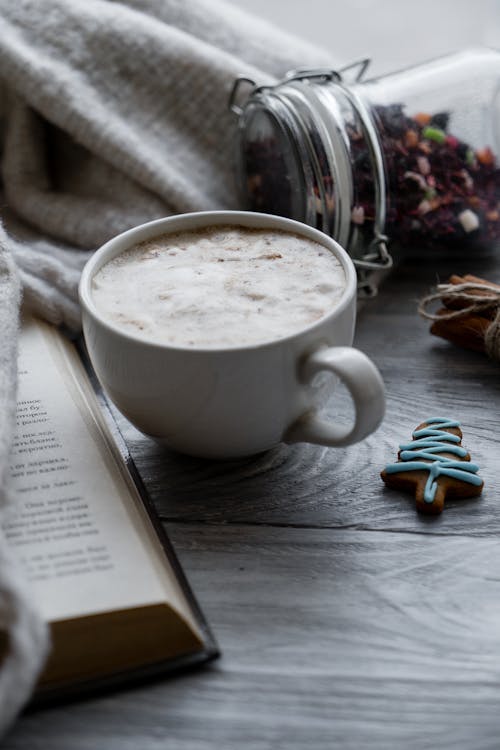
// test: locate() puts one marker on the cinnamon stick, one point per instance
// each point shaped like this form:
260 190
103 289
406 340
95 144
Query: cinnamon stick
467 330
456 303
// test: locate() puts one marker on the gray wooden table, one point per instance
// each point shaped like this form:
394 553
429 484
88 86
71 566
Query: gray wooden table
344 618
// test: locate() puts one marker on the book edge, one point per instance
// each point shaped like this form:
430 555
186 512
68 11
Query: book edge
48 695
163 538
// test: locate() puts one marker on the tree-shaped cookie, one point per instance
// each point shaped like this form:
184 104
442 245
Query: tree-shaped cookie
434 466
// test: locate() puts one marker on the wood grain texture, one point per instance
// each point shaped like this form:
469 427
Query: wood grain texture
312 486
345 619
331 638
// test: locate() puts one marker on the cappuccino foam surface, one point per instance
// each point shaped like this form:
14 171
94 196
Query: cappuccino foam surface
222 286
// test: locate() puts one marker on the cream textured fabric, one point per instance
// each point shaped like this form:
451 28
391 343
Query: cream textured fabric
111 114
19 623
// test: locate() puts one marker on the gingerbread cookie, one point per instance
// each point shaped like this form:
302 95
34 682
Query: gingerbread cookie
434 466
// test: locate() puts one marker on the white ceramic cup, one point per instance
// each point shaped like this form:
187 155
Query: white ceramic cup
229 402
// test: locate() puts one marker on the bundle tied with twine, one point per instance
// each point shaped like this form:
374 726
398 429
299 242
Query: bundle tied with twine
470 316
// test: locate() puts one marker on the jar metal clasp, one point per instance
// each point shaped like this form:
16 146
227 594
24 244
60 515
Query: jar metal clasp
238 97
328 74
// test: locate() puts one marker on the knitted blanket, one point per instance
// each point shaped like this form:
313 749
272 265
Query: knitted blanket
112 113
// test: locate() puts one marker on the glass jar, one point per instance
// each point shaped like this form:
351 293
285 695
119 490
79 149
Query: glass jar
411 156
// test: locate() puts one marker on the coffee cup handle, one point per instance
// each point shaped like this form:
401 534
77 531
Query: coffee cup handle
365 385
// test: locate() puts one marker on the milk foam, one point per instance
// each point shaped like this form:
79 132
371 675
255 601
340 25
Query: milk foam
222 286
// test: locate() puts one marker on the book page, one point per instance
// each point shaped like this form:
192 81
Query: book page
76 523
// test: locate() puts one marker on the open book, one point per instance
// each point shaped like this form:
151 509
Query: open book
100 564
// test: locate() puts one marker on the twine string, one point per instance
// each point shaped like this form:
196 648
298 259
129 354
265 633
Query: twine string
492 338
467 294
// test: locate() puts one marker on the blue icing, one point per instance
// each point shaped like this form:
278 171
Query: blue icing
422 454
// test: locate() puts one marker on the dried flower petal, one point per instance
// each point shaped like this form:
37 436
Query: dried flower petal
469 220
434 134
358 215
411 138
422 118
424 207
424 165
485 156
416 177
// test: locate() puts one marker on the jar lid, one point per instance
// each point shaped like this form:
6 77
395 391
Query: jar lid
296 159
274 168
282 162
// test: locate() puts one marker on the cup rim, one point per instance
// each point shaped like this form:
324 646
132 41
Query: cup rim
198 220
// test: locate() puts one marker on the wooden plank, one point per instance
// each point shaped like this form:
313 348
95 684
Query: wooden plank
307 486
350 639
313 486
